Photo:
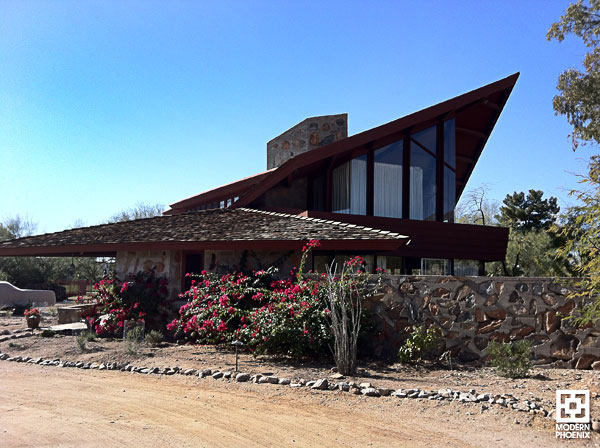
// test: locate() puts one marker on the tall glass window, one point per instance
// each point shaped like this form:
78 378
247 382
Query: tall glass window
387 200
449 194
423 175
449 169
450 143
349 187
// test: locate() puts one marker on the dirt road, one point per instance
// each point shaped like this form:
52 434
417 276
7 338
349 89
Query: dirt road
54 407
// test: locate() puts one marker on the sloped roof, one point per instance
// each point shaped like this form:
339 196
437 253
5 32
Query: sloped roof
241 228
231 189
476 113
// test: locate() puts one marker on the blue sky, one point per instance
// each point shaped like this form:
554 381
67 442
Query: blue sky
104 104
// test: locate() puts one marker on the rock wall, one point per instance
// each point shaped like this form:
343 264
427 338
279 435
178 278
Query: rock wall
305 136
473 311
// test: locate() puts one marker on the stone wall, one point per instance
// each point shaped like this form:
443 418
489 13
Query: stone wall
473 311
305 136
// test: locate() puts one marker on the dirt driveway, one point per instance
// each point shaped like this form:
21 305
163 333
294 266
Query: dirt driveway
54 407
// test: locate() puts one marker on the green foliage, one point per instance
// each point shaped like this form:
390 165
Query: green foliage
81 343
420 343
525 213
578 99
531 245
47 333
133 338
582 244
154 338
512 359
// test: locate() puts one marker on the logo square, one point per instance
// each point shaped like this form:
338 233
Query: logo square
572 406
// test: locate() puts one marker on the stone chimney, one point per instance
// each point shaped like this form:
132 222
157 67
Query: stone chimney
307 135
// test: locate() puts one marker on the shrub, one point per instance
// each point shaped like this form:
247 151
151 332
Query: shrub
81 340
143 298
420 343
132 339
154 338
512 359
286 317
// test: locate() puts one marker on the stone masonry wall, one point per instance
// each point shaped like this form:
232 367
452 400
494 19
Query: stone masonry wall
307 135
473 311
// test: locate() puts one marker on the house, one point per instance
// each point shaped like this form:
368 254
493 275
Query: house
387 193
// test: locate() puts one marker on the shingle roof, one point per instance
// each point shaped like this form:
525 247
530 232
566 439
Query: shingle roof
209 228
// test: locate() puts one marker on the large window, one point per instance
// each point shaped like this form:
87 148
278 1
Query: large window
387 188
423 175
349 184
413 177
449 169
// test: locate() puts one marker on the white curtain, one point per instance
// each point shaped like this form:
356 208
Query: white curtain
340 180
387 199
416 192
349 182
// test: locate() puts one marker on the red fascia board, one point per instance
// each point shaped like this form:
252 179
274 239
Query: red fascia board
366 137
219 193
112 248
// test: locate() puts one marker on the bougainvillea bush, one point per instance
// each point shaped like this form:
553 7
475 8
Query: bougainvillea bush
142 298
288 317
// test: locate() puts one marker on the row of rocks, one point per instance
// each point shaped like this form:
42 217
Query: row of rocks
367 389
6 335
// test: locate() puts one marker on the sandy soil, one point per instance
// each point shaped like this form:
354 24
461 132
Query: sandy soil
54 407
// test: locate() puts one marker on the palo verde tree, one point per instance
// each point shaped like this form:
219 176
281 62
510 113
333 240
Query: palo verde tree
579 91
579 100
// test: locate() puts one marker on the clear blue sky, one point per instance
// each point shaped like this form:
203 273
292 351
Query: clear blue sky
104 104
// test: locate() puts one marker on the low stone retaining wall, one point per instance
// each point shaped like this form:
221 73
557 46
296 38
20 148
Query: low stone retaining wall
72 313
472 311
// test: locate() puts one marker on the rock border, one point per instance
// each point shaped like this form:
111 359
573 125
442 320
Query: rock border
508 401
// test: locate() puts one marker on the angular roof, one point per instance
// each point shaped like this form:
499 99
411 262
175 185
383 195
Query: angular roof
475 112
240 228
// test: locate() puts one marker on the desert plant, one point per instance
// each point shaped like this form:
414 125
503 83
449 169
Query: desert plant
511 359
81 341
132 339
344 294
47 333
154 338
419 343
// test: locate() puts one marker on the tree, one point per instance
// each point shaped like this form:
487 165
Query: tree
579 97
16 227
581 233
476 208
579 100
524 213
139 211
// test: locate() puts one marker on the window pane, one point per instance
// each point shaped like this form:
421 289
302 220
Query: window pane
391 264
349 183
466 268
427 138
433 266
387 180
318 193
449 194
450 143
422 184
